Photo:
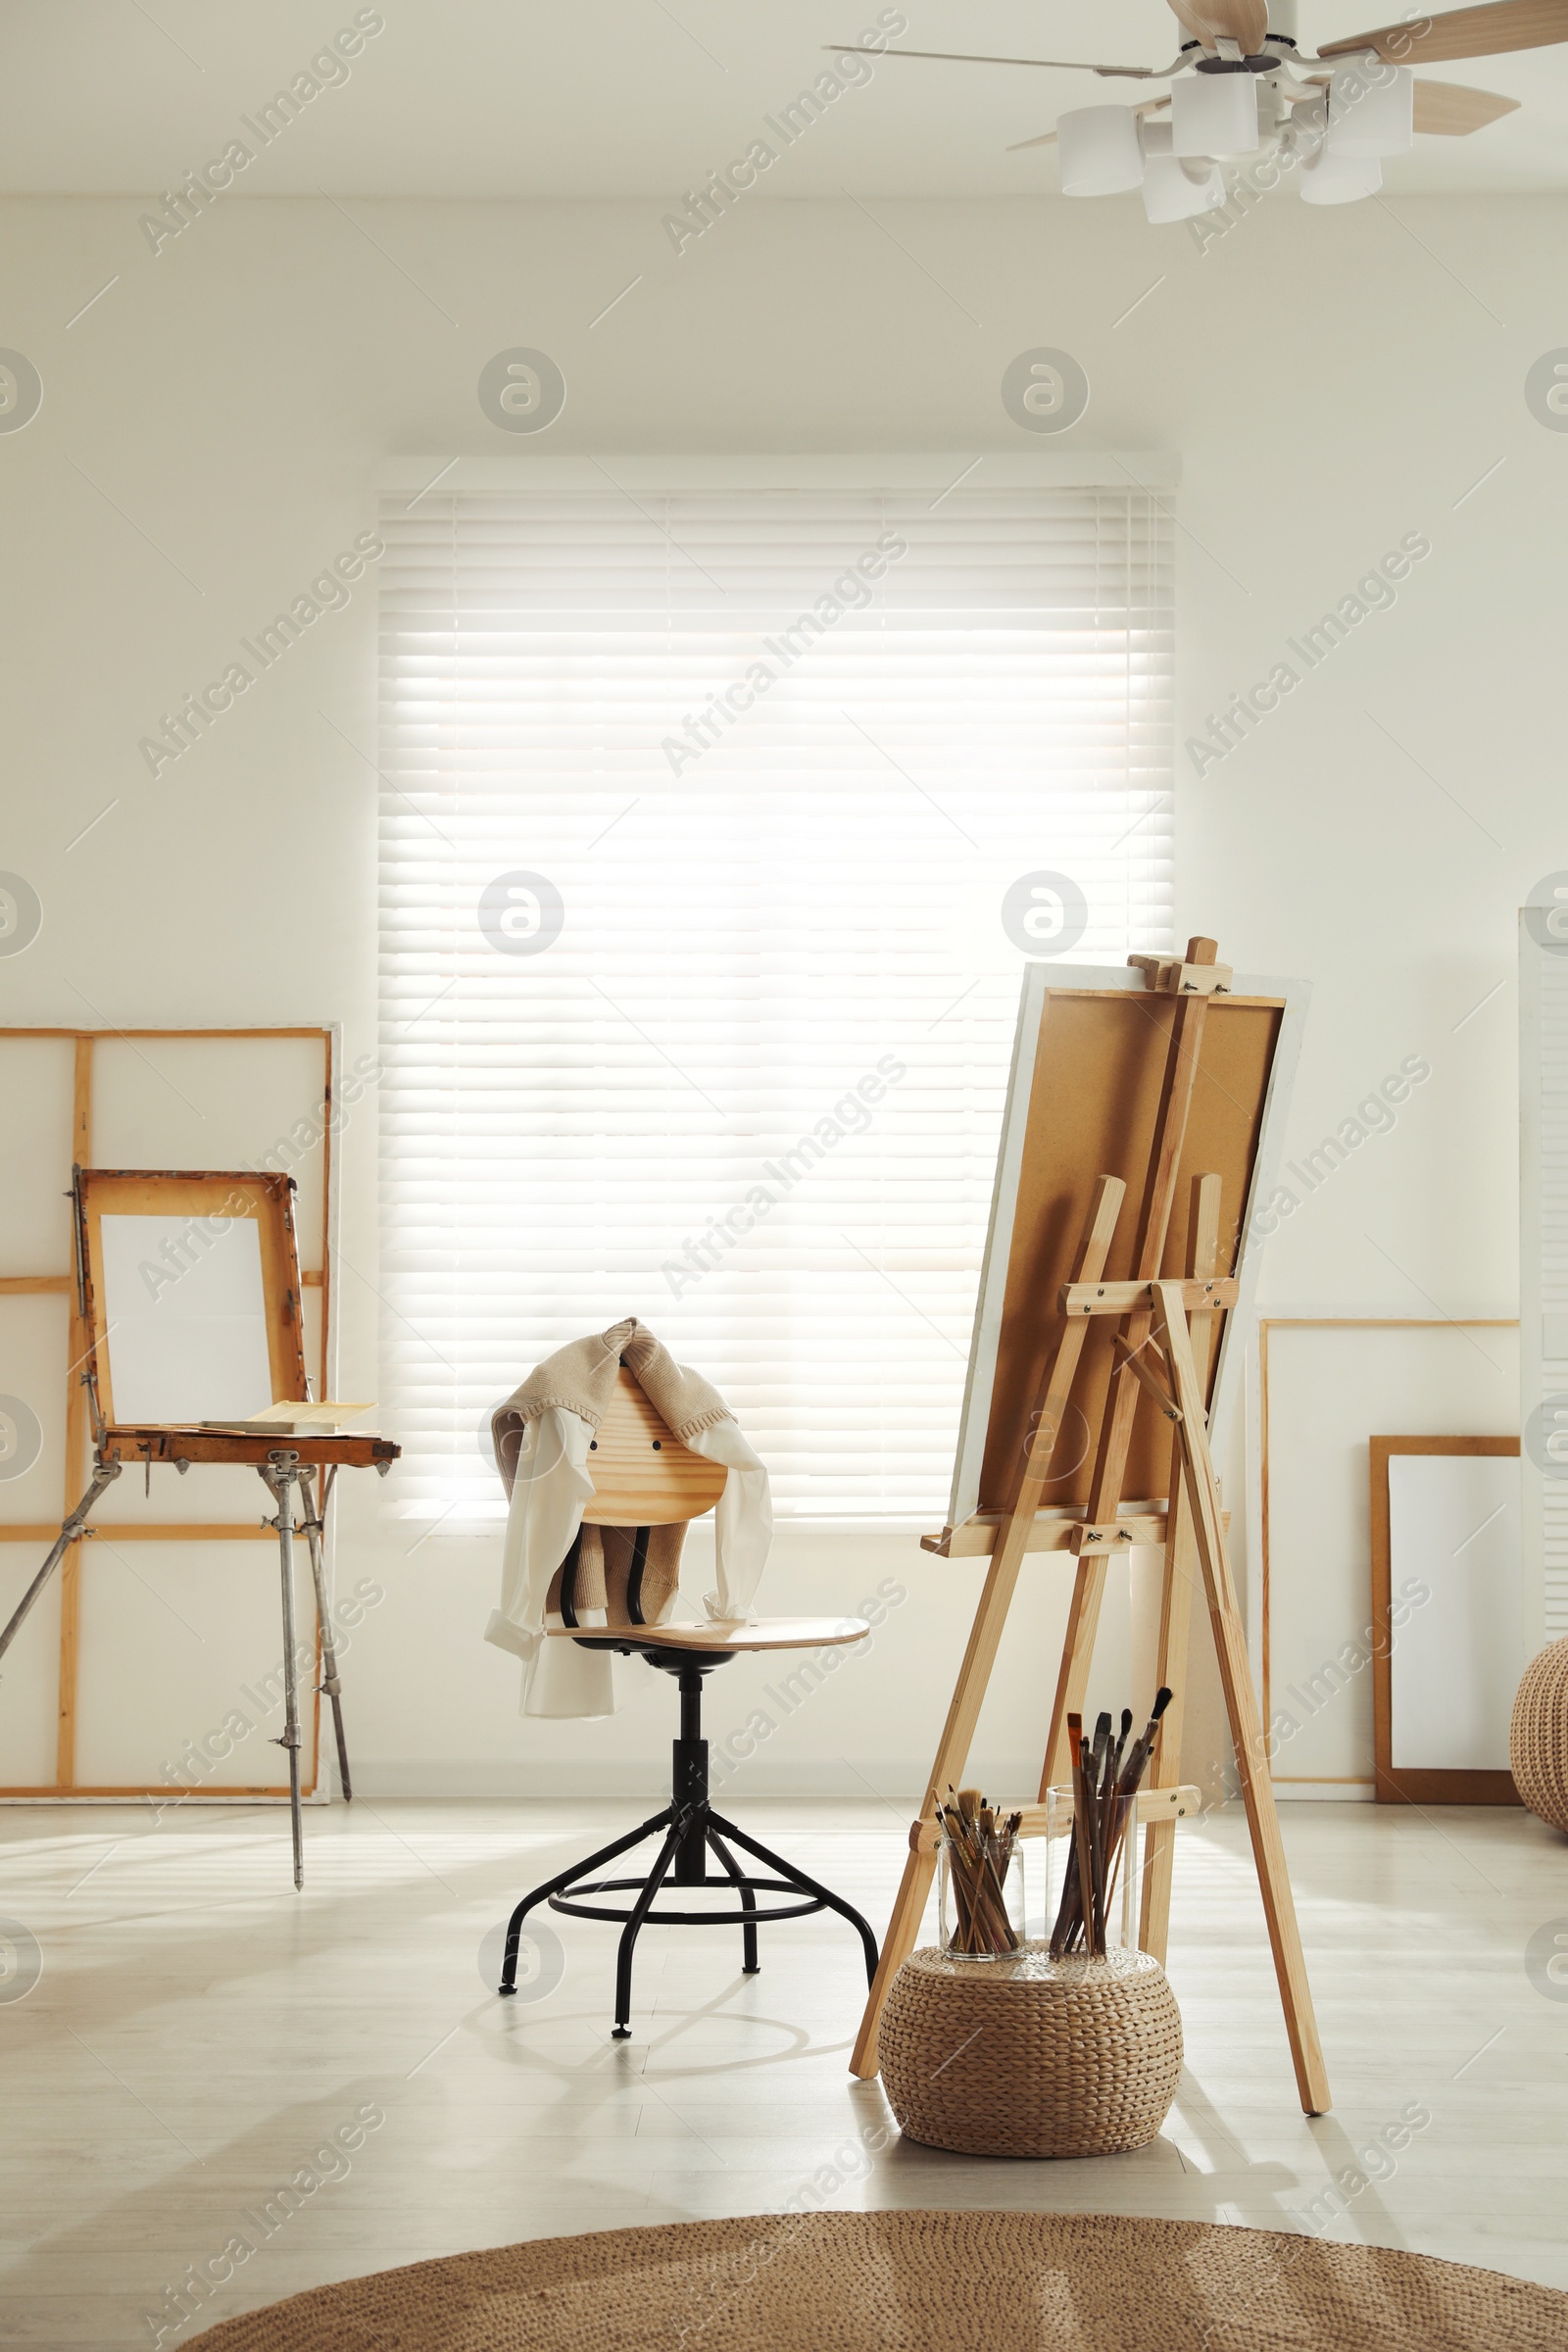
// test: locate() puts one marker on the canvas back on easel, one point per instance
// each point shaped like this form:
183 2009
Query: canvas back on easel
1083 1101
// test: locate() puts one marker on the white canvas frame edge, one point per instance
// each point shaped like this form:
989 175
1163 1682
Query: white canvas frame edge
332 1212
1412 1458
980 1378
1532 1329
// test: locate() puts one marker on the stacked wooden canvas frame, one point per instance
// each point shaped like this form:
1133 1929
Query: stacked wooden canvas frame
297 1468
62 1282
1095 1384
256 1206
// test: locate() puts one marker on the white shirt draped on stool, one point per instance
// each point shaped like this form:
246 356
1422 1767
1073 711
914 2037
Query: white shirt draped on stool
543 1435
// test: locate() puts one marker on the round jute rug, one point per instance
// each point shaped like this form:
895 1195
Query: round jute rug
914 2282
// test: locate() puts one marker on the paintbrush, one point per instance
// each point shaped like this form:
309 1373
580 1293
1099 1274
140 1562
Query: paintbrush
980 1848
1132 1769
1097 1773
1083 1819
1131 1779
1067 1910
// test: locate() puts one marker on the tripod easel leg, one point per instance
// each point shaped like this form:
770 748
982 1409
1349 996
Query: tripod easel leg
1170 1673
1181 1572
1077 1656
1115 1435
1241 1704
952 1753
990 1620
330 1684
103 1473
281 1472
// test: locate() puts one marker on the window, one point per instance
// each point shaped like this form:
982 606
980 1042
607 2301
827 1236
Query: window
702 810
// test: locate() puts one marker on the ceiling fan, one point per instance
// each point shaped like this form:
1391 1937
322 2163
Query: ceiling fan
1241 87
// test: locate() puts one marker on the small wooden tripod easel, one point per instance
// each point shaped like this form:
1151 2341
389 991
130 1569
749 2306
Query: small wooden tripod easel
1161 1356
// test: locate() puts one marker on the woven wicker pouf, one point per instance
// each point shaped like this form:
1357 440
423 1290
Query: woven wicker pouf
1538 1736
1031 2056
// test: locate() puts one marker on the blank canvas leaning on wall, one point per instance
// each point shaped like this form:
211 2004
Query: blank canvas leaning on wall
1453 1531
1447 1647
1325 1384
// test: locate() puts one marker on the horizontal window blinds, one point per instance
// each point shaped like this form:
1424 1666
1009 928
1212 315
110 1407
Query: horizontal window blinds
700 814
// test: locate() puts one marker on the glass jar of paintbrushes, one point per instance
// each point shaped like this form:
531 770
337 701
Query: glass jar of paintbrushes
1093 1872
980 1866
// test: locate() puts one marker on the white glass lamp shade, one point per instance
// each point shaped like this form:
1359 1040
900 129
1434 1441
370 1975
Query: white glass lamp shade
1331 179
1176 187
1370 117
1100 151
1213 114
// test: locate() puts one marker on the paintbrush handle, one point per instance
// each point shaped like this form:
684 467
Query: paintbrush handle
1083 1812
1067 1908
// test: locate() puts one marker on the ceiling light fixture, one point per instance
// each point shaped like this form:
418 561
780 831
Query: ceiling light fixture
1241 86
1175 187
1100 151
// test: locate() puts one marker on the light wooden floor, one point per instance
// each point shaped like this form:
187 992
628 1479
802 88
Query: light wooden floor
199 2033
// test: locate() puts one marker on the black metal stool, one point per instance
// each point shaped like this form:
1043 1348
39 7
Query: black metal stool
690 1826
644 1477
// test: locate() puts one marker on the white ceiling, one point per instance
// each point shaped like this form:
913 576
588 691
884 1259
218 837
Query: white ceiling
613 98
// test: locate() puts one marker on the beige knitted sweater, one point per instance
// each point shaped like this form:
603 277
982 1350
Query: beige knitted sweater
543 1435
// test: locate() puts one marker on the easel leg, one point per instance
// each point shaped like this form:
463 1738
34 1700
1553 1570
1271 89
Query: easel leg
1121 1403
69 1533
1170 1671
284 1468
1247 1729
952 1753
985 1634
331 1684
1077 1656
1176 1597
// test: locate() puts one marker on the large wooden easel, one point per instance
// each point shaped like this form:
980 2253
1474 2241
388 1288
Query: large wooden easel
1154 1332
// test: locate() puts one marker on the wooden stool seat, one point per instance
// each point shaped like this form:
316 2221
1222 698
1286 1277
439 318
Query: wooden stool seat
726 1635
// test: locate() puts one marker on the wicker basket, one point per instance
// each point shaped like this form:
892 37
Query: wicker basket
1538 1736
1031 2056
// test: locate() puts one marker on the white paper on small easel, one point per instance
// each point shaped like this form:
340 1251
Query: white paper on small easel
186 1314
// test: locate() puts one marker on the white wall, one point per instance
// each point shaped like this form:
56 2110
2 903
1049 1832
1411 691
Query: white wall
1332 380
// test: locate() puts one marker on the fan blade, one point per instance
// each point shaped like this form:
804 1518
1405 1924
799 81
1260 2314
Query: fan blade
952 56
1191 23
1464 32
1048 138
1244 21
1450 110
